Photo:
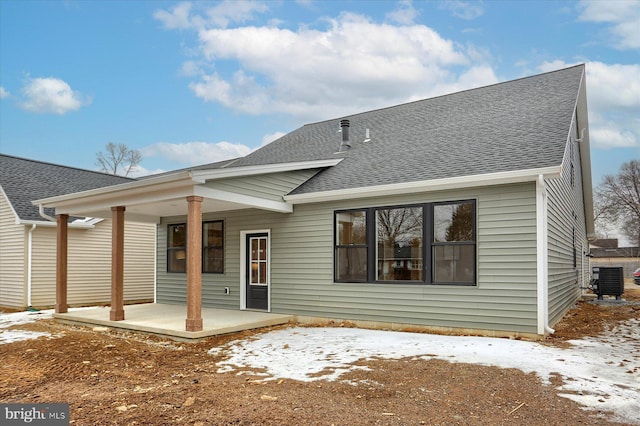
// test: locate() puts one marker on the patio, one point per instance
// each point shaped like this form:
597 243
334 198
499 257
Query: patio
169 320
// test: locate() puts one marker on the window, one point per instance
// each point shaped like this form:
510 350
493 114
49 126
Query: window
399 234
351 246
176 248
213 247
427 244
453 243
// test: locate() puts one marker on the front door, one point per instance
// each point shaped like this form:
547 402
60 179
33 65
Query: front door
257 271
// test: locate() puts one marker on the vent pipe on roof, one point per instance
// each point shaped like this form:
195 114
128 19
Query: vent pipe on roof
344 128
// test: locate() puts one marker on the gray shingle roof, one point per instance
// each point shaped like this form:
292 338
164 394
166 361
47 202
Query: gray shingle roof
26 180
515 125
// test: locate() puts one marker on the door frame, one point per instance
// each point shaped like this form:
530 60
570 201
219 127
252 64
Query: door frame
243 266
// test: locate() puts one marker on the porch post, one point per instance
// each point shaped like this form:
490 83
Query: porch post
117 264
61 263
194 264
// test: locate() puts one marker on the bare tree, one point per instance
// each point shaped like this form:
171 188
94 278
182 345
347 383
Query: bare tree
619 199
118 159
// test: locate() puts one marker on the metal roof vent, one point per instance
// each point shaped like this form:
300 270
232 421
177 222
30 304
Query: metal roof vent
344 128
367 136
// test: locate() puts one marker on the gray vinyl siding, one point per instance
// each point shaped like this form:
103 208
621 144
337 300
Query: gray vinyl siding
302 266
565 200
270 186
89 264
12 258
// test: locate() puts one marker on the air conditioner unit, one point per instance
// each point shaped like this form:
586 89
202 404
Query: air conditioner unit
608 280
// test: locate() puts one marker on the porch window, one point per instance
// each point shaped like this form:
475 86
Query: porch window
176 247
213 247
431 243
351 246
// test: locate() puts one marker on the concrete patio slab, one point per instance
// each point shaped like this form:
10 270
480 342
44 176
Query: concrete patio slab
169 320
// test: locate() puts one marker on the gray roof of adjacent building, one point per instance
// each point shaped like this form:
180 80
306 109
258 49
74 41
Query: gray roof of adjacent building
516 125
24 180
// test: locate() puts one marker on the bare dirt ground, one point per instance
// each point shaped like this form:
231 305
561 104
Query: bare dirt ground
133 379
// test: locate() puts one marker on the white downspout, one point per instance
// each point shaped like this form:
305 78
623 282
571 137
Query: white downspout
44 215
542 257
29 263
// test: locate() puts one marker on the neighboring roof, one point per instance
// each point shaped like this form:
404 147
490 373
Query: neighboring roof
609 243
622 252
25 180
517 125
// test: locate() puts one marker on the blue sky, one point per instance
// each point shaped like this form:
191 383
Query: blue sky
195 82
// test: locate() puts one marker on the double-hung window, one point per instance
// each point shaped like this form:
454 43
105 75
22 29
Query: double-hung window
432 243
212 247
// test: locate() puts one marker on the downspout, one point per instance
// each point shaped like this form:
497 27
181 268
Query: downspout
29 263
44 215
542 257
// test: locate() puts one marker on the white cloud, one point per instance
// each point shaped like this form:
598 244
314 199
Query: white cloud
623 15
353 64
188 15
405 14
613 93
466 10
195 153
51 96
4 93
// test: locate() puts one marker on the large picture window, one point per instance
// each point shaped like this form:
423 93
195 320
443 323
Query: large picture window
431 243
213 247
176 248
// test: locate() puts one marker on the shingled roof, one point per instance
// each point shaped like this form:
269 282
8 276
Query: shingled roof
24 180
516 125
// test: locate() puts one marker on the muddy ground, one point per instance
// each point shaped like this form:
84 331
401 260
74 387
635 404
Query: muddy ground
123 378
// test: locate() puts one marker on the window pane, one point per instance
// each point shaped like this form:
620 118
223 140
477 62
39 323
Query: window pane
176 261
177 235
352 228
399 234
454 263
213 260
351 263
212 234
453 222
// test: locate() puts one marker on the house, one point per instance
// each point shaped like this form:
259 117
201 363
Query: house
605 252
469 212
28 240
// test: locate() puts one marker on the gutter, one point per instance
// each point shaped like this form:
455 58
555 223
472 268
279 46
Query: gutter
542 257
30 263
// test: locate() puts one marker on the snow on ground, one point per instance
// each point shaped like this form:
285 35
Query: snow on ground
600 373
19 318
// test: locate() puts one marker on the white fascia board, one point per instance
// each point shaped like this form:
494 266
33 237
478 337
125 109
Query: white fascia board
127 198
49 224
202 176
114 191
247 200
500 178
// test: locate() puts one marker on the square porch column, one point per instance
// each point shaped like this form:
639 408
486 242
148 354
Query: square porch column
117 264
194 264
62 222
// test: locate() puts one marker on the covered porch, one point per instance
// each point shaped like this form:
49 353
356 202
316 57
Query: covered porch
187 193
168 320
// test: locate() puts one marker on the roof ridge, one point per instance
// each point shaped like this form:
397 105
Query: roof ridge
446 94
66 167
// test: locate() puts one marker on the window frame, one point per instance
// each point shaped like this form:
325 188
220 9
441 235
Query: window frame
428 244
221 247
